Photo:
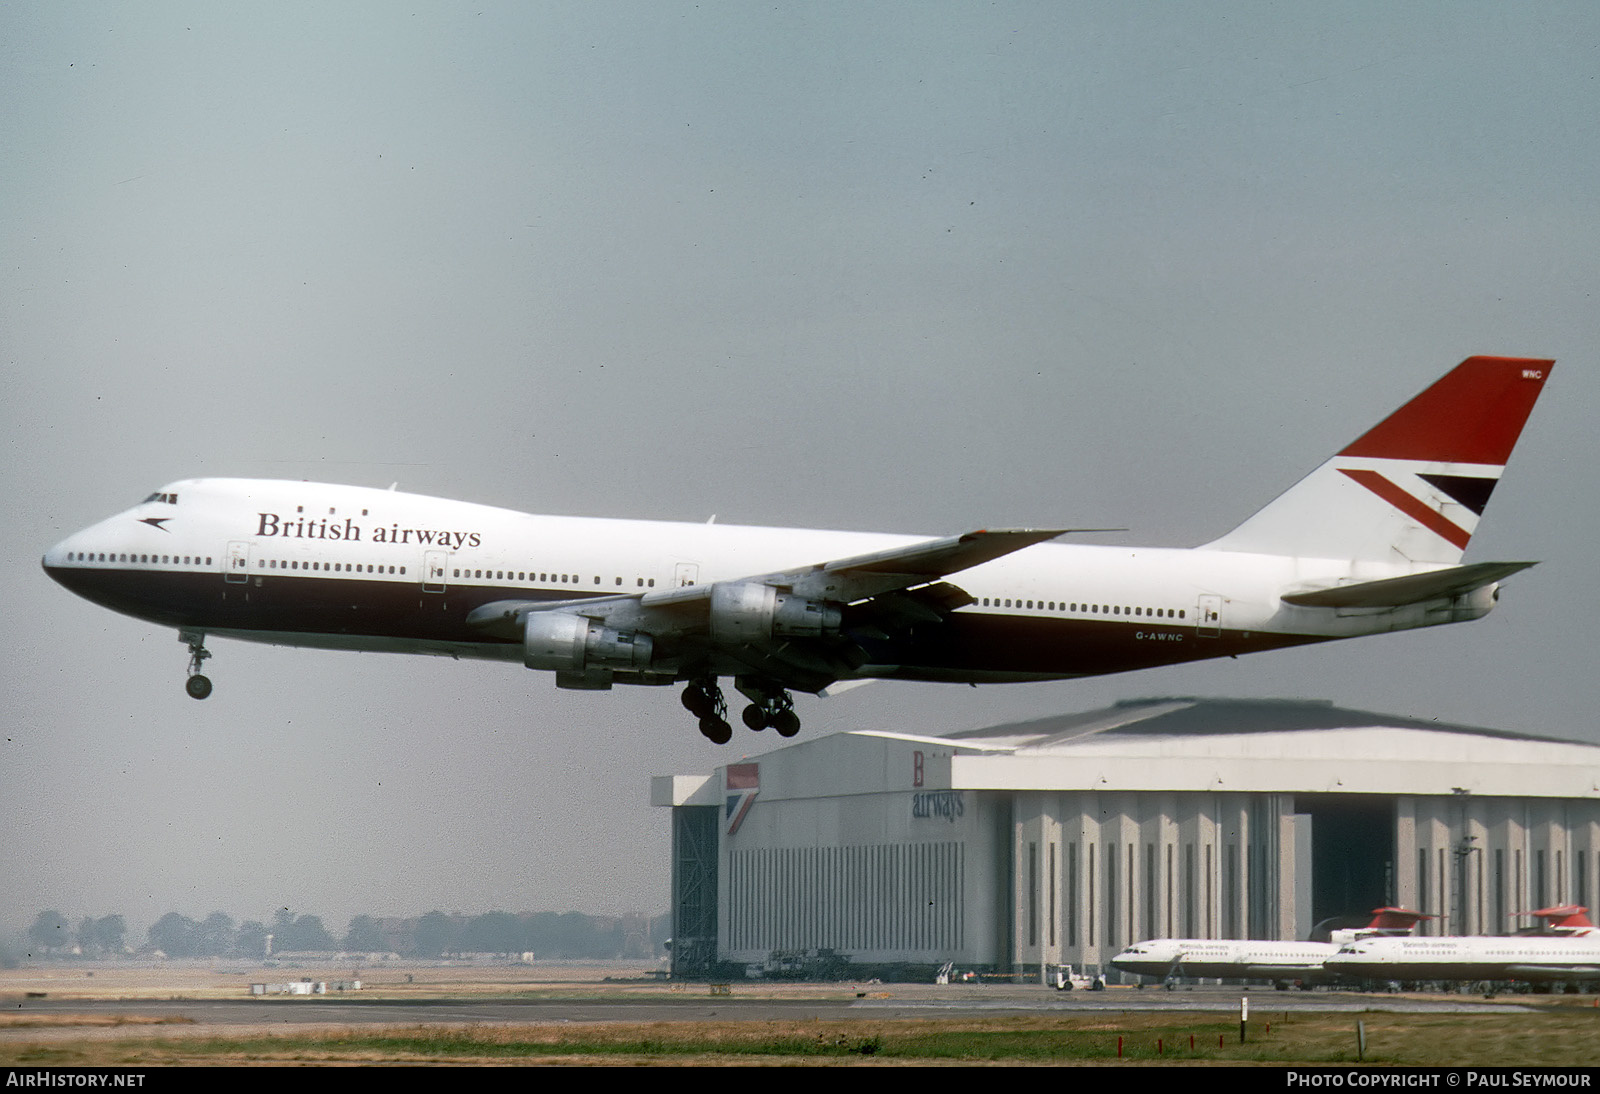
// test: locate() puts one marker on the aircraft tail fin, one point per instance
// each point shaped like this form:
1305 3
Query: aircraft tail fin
1396 919
1568 917
1413 487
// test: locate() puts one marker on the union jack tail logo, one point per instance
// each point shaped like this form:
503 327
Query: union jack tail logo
1412 488
743 783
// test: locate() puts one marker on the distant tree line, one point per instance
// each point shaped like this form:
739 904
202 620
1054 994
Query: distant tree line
52 932
572 935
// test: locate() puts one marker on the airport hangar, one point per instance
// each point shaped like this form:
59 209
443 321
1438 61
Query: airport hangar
1062 840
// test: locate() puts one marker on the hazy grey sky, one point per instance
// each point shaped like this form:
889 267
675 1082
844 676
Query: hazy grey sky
899 267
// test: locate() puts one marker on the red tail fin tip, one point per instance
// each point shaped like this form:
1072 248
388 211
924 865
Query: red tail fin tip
1473 414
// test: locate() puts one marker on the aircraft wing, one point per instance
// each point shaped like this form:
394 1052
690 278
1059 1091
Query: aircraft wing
1266 971
848 580
802 626
1553 972
1395 592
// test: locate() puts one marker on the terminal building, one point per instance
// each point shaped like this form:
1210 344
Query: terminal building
1060 841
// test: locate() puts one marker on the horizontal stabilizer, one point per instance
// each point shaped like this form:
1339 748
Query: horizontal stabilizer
1395 592
1397 919
1566 916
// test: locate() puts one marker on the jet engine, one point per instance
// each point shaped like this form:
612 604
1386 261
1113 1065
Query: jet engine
563 642
744 612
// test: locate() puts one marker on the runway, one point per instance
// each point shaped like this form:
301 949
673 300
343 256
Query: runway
70 1019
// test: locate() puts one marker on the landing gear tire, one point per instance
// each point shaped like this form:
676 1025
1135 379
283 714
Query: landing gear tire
197 686
703 699
770 705
716 730
696 702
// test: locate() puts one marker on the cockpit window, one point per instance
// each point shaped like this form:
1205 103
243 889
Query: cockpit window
170 499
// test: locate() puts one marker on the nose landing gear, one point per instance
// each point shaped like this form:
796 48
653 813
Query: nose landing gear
197 686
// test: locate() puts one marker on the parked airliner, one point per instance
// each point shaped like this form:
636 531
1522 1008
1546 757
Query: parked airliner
1370 542
1255 959
1567 947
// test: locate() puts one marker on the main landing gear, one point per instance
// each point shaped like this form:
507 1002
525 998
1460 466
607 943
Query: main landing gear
703 699
769 706
197 686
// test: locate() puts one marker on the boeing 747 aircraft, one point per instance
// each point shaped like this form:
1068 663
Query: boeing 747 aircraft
1370 542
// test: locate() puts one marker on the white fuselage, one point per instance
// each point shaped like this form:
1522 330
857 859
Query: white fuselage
351 567
1512 957
1225 959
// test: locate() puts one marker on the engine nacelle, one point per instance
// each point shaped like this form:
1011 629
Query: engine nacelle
563 642
752 612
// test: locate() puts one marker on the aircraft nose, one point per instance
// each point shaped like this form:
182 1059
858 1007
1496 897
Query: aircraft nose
72 564
57 558
55 555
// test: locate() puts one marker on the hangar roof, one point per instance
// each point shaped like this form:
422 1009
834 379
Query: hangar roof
1300 745
1192 716
1180 743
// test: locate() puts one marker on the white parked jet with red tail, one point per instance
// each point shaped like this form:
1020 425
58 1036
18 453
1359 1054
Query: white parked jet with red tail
1566 947
1370 542
1256 959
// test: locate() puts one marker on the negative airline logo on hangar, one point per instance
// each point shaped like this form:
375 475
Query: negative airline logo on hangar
743 782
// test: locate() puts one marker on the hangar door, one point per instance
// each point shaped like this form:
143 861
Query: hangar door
1352 854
